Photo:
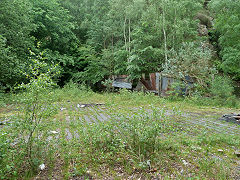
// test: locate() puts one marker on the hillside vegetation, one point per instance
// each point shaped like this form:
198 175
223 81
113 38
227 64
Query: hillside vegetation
92 40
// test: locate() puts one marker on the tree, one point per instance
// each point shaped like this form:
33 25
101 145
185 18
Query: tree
54 26
186 62
16 23
10 65
227 24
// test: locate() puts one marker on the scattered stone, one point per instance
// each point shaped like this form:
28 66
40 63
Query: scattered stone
100 104
196 148
220 150
68 134
54 132
42 167
5 122
89 105
237 153
62 108
216 157
49 138
81 105
185 162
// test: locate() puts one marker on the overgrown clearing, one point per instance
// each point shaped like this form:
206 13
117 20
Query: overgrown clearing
121 136
55 54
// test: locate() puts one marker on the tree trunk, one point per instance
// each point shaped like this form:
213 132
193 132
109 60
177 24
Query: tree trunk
174 34
164 32
124 33
129 36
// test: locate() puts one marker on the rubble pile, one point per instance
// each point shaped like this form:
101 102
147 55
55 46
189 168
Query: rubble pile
235 118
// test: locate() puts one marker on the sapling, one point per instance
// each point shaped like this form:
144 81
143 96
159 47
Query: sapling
37 105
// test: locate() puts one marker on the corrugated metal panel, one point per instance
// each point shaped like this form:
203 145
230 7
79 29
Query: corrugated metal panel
158 82
122 81
162 84
153 81
167 81
166 85
122 85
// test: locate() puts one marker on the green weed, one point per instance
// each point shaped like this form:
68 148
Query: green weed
144 136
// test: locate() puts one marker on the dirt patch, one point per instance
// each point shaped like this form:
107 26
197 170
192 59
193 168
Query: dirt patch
52 173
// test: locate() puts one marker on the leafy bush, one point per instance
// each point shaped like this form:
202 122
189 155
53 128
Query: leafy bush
187 60
1 97
10 66
26 147
6 151
219 93
221 87
227 24
37 105
222 90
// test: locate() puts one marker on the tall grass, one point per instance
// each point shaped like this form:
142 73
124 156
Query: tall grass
140 137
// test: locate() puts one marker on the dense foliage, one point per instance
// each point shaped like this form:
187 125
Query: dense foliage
228 26
92 40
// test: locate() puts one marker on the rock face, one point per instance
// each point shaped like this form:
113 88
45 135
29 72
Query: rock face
204 20
204 26
235 118
202 30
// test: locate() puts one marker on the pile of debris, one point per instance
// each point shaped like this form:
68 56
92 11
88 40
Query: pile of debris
235 118
89 105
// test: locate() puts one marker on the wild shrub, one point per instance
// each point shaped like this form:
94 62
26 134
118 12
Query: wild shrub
178 90
187 60
37 105
108 84
27 133
138 135
7 165
72 91
1 98
221 88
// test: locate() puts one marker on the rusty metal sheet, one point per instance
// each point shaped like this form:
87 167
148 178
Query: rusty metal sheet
153 80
